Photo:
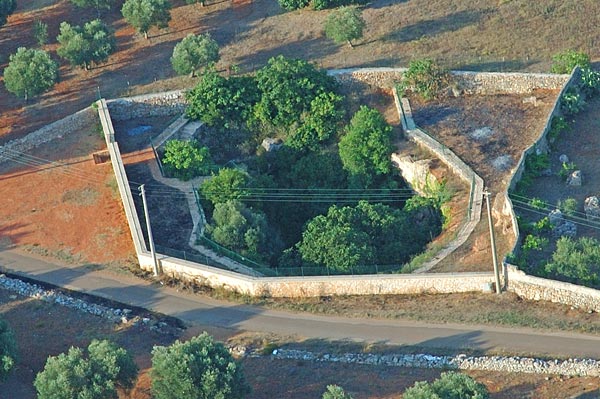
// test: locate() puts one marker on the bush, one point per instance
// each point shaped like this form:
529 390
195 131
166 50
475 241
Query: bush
194 52
344 25
335 392
566 60
8 350
426 78
571 102
291 5
568 206
576 261
450 385
558 125
186 159
566 169
71 375
197 369
590 82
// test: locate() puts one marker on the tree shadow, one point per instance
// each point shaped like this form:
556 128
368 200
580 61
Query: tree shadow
434 27
378 4
495 66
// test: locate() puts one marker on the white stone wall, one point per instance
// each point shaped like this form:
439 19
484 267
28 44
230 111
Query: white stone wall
155 104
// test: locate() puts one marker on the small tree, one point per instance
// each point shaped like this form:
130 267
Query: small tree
291 5
91 44
30 72
197 369
144 14
72 375
344 25
194 52
187 159
40 32
335 392
8 350
97 4
566 60
7 7
450 385
426 78
228 184
576 261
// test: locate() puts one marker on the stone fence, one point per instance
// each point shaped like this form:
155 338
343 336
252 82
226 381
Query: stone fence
466 81
155 104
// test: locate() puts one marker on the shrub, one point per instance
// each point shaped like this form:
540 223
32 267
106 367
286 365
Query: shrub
571 102
566 169
197 369
335 392
72 375
576 261
542 226
537 203
534 243
426 78
226 185
344 25
194 52
566 60
291 5
590 82
186 159
568 206
8 350
558 125
450 385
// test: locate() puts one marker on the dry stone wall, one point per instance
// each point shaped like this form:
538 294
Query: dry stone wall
156 104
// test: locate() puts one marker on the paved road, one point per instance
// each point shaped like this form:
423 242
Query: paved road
201 310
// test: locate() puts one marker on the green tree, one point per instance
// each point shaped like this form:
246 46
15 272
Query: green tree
335 392
197 369
97 4
426 78
85 46
144 14
187 159
201 2
40 32
72 375
30 72
566 60
291 5
366 148
576 261
226 185
288 87
194 52
344 25
450 385
7 7
8 350
220 102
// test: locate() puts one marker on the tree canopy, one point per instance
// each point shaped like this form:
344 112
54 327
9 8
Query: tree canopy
196 369
7 7
194 52
335 392
144 14
83 46
30 72
366 148
8 350
97 4
344 25
73 375
186 159
576 261
226 185
450 385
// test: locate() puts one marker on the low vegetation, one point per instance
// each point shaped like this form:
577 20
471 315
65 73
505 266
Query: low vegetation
450 385
8 350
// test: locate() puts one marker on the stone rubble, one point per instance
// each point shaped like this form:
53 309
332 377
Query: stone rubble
512 364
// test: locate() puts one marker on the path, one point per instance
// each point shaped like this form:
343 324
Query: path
199 310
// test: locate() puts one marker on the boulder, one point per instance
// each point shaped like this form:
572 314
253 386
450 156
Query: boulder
575 178
556 217
271 144
563 158
591 207
565 229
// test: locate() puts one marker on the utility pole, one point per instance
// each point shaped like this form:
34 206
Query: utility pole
152 250
493 241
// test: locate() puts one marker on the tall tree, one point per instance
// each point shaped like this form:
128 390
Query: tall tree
194 52
85 46
30 72
366 148
7 7
144 14
344 25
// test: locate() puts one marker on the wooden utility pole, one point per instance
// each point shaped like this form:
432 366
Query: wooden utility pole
493 241
152 250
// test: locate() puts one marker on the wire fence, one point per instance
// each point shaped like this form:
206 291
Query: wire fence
191 256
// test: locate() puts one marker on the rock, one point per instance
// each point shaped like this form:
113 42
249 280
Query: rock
503 162
591 207
566 229
563 158
531 100
556 217
271 144
575 179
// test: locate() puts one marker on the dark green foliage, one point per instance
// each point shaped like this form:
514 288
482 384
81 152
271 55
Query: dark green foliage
366 148
40 32
91 44
194 52
144 14
98 4
426 78
288 87
565 61
202 2
450 385
335 392
186 159
535 164
291 5
7 7
8 350
367 234
558 125
572 102
576 261
344 25
220 102
72 375
568 206
30 72
590 82
197 369
227 185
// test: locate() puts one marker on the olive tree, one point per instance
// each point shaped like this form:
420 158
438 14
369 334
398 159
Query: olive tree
194 52
144 14
30 72
87 45
344 25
